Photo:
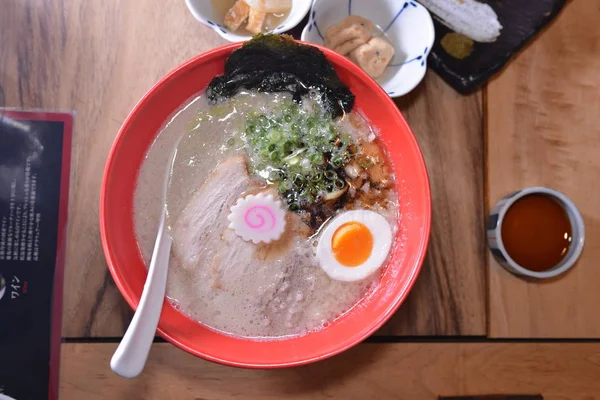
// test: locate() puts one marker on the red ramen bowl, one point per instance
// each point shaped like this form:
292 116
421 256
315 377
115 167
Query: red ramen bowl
129 271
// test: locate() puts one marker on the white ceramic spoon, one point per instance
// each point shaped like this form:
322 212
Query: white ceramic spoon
132 353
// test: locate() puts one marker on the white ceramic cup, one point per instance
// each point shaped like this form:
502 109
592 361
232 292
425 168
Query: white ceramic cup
494 233
203 11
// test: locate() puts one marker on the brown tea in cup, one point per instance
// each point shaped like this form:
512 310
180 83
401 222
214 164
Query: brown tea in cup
537 232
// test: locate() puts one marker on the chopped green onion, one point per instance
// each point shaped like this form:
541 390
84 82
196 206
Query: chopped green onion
299 180
294 155
281 187
318 177
288 146
316 158
330 175
291 108
275 176
298 148
337 161
305 164
276 135
264 121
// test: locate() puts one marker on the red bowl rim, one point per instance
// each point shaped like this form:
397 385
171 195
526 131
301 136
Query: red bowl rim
129 297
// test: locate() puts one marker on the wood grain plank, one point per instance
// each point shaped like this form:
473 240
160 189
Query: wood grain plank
99 57
449 296
368 371
543 130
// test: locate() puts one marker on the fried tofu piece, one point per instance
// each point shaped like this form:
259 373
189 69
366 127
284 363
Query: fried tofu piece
256 20
237 15
374 56
352 28
347 47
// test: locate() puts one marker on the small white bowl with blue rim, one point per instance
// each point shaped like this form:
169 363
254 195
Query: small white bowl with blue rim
204 12
406 24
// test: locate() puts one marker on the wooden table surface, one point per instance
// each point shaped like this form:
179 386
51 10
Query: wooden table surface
543 130
99 57
400 371
535 124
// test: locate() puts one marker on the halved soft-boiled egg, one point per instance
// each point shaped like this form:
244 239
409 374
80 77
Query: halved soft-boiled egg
354 244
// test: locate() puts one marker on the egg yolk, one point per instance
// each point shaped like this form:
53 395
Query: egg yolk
352 244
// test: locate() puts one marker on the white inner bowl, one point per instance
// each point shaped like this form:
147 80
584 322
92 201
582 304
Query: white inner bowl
204 12
405 24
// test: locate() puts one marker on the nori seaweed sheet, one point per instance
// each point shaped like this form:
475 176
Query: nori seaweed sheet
276 63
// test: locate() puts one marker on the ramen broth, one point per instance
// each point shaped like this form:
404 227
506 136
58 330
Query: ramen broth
281 291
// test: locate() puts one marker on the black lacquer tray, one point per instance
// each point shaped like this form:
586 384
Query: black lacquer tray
521 21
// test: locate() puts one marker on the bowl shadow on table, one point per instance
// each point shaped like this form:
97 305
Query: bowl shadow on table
405 102
318 377
327 374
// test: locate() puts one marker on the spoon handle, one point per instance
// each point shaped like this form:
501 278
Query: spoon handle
130 357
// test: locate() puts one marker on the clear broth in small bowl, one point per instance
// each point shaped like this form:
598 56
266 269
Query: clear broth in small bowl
271 22
537 232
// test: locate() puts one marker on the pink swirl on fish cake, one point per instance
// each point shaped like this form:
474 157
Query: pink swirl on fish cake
260 218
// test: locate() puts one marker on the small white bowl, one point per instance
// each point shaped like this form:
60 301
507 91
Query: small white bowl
203 11
406 24
494 233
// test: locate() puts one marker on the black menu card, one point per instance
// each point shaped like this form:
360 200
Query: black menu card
35 153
